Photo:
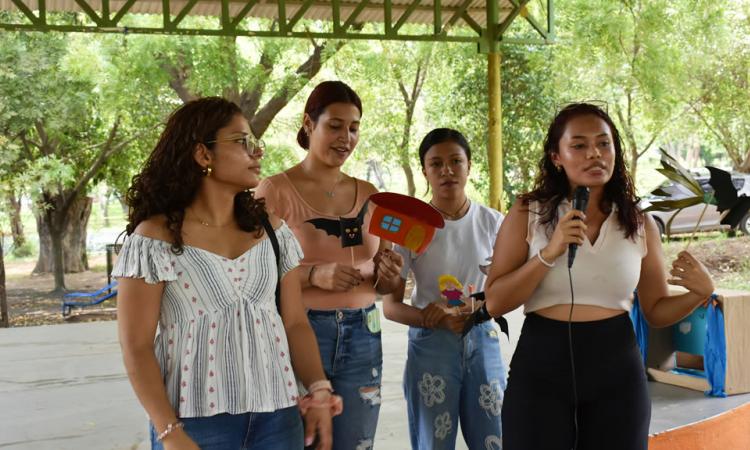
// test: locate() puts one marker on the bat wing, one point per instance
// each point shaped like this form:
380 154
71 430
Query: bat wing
737 212
724 191
332 227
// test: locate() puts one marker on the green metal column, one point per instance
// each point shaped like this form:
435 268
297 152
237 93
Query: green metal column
495 125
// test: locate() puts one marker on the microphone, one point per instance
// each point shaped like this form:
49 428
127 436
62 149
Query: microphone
580 202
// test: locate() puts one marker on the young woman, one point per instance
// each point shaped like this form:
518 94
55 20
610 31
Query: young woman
577 379
338 274
450 378
199 266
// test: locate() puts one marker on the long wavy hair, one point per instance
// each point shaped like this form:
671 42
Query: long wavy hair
170 178
552 186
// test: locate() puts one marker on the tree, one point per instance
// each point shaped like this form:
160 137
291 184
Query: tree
10 194
54 111
390 83
634 55
410 84
724 102
260 75
4 320
458 99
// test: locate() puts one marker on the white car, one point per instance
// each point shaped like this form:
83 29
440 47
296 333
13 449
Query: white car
686 219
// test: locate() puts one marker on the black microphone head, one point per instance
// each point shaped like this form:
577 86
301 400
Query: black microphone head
581 198
580 202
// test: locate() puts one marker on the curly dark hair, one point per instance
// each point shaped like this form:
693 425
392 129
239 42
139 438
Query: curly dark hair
552 186
170 178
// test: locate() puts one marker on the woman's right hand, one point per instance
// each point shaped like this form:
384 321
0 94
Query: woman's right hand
179 440
335 277
570 229
432 315
454 322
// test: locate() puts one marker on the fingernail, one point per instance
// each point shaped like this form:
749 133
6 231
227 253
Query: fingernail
308 441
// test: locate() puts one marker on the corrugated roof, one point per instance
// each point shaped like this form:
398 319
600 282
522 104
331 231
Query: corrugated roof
423 13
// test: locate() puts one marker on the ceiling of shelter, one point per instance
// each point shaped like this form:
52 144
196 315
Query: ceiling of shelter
372 11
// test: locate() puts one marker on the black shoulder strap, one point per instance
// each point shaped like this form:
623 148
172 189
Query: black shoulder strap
277 252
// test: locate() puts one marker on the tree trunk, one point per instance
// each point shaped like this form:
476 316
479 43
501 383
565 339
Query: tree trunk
122 203
4 316
409 178
72 239
633 163
745 166
104 204
16 226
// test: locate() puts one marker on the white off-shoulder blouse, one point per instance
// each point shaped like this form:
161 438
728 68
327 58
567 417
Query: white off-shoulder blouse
220 343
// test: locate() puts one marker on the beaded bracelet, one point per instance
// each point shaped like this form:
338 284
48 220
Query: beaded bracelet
170 428
319 386
542 260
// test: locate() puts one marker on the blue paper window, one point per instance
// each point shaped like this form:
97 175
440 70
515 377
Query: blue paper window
390 223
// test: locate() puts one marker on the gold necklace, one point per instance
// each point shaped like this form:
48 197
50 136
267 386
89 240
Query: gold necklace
204 223
448 215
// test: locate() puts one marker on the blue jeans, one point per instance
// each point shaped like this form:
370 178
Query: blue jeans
352 357
448 379
277 430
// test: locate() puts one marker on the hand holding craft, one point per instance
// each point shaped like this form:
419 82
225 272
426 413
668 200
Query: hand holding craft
388 264
335 277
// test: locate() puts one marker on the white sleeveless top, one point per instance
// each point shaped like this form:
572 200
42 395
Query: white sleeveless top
605 273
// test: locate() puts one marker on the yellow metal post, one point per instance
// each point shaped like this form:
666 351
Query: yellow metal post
495 147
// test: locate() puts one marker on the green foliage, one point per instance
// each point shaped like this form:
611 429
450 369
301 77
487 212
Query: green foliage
458 99
51 110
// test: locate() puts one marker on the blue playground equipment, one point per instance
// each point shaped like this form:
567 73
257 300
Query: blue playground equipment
83 299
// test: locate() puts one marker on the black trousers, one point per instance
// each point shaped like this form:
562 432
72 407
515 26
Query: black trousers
614 408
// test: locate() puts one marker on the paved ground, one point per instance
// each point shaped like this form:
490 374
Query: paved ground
64 387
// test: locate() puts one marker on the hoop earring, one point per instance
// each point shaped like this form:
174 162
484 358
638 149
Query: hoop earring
207 171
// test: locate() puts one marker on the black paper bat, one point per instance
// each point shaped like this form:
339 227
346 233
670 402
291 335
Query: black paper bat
727 198
349 229
482 315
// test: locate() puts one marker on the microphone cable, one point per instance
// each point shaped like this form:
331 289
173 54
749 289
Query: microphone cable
572 363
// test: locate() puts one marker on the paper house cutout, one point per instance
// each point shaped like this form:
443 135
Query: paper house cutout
404 220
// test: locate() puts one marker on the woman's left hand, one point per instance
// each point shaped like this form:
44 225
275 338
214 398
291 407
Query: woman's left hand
691 274
318 425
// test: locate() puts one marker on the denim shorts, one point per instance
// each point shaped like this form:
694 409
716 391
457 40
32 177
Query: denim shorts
277 430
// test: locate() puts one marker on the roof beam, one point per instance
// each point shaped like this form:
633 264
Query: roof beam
344 16
243 13
353 16
89 11
405 15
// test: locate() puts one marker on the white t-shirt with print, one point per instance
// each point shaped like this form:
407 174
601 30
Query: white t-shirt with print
459 249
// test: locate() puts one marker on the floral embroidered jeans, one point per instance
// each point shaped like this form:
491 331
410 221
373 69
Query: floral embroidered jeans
449 379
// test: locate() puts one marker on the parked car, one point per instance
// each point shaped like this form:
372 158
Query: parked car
685 220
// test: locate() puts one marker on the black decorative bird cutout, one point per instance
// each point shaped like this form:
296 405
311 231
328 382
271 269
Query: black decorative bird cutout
727 198
349 229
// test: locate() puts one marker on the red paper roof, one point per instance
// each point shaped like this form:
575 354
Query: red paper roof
410 206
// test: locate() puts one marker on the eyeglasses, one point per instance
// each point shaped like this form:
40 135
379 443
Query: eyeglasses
254 147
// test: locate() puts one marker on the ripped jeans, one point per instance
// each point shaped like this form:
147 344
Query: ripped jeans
352 357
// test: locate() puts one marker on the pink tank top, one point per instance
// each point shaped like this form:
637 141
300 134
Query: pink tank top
319 247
